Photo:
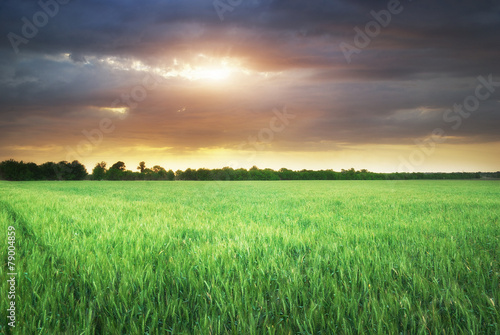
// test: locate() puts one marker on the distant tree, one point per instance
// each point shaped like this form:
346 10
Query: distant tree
304 175
254 173
241 174
70 171
114 174
11 170
331 175
142 166
116 171
157 169
63 170
285 174
204 174
189 174
160 172
32 172
170 175
179 175
128 175
79 172
48 171
269 174
349 174
227 173
99 171
118 166
17 171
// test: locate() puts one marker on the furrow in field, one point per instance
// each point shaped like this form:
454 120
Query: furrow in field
20 225
30 246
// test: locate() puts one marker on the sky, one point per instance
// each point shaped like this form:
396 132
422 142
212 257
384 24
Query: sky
388 86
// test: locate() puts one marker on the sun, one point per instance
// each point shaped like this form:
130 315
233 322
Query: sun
207 72
201 68
215 74
204 68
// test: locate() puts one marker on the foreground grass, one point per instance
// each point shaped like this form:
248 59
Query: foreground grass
344 257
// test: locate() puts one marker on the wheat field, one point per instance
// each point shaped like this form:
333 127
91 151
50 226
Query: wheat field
298 257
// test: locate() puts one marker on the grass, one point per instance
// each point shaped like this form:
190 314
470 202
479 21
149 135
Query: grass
307 257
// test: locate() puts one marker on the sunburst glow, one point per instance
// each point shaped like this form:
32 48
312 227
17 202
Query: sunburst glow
204 68
201 67
195 73
117 110
213 73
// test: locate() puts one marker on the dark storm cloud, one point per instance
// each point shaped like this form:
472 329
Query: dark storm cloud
149 28
120 26
429 56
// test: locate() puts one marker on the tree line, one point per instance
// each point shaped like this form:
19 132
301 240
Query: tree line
21 171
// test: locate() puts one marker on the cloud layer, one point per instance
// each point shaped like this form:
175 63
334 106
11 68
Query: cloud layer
172 74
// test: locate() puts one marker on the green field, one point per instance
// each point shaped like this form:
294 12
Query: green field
305 257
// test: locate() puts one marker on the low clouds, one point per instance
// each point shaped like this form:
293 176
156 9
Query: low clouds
227 76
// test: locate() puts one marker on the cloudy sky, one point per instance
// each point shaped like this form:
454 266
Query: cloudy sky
316 84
